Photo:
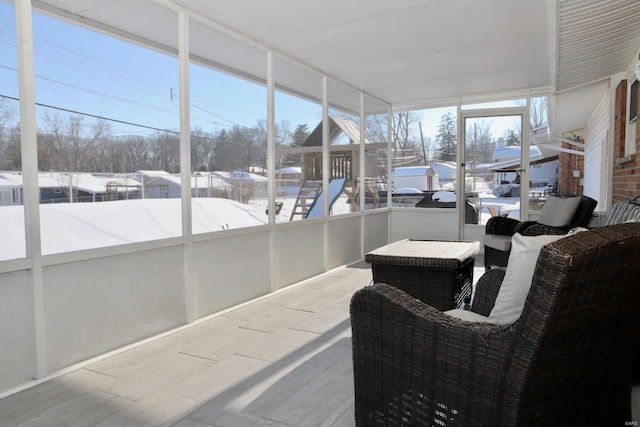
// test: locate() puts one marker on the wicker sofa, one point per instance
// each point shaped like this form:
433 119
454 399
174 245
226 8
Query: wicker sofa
624 211
566 361
499 230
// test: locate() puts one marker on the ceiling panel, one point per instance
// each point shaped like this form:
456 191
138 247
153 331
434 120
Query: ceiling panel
596 39
159 29
402 51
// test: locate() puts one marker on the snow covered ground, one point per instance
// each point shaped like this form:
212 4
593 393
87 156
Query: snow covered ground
69 227
76 226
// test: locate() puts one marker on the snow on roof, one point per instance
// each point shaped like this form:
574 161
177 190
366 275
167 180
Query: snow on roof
505 152
76 226
153 173
10 180
239 175
203 181
290 169
82 181
450 165
98 184
411 171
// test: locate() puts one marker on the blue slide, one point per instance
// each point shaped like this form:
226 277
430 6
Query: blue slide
336 186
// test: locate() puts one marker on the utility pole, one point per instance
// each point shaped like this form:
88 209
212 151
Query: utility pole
424 152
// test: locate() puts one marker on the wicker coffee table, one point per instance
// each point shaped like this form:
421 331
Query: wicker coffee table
439 273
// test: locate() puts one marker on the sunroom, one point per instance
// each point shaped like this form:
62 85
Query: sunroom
241 148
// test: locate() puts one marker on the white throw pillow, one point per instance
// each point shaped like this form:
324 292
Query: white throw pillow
469 316
558 211
517 279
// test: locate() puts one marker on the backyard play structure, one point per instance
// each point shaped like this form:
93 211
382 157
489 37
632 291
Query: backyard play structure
344 168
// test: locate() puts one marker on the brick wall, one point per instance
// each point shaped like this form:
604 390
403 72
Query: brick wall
626 170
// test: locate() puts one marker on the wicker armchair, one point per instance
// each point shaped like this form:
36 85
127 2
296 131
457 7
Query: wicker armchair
566 361
502 229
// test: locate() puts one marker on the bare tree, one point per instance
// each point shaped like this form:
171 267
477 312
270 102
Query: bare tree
479 142
136 153
10 155
376 127
405 137
71 147
165 152
538 112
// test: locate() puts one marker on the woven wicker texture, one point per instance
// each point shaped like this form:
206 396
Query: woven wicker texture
566 361
439 273
503 226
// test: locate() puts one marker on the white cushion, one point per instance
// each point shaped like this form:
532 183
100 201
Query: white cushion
517 279
498 242
467 315
558 211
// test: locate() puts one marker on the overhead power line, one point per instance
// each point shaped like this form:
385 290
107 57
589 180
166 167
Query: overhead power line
95 116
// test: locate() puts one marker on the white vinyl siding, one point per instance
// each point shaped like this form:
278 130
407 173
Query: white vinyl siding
595 156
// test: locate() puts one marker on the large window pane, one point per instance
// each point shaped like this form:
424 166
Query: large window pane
492 166
344 141
108 142
424 162
376 175
298 115
12 244
228 134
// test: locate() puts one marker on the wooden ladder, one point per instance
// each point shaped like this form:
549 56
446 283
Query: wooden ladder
307 194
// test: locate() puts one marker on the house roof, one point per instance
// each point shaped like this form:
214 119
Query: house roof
239 175
81 181
337 126
98 184
413 171
506 152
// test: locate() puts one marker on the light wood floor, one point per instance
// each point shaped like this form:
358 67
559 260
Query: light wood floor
284 360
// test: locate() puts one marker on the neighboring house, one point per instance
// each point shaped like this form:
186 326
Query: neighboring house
163 185
158 184
446 171
543 170
289 176
415 177
10 189
54 187
61 187
244 182
118 187
204 184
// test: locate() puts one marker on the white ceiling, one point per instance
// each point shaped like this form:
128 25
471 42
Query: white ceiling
401 51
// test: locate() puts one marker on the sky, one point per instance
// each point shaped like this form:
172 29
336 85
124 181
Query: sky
81 70
85 71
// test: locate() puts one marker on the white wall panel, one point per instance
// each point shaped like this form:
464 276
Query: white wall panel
17 356
98 305
344 241
229 271
474 233
299 252
595 152
424 223
376 230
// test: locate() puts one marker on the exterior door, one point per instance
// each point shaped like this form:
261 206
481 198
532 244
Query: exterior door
494 175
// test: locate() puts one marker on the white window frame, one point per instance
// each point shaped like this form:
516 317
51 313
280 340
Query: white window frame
630 134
